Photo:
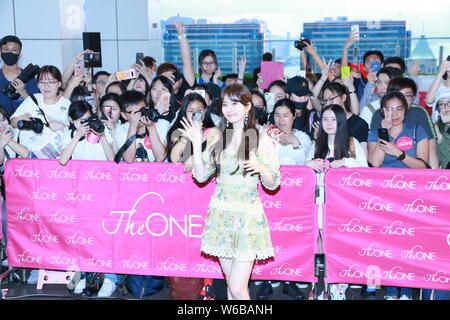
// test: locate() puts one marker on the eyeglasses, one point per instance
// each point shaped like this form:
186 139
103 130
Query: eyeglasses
444 105
101 82
48 83
208 63
324 102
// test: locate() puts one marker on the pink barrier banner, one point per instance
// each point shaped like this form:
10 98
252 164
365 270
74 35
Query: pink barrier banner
388 227
144 218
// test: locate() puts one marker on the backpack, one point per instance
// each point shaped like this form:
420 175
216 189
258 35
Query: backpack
141 286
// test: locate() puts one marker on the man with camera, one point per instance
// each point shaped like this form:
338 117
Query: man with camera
143 137
15 86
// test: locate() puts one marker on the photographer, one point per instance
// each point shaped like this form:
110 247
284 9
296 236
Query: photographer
11 48
86 138
42 123
146 138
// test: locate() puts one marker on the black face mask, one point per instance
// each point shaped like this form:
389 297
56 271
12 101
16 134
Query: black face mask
10 58
300 105
259 112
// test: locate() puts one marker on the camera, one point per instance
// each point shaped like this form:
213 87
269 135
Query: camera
34 124
150 114
95 124
26 75
300 44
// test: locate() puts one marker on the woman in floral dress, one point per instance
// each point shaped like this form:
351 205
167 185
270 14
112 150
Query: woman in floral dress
236 228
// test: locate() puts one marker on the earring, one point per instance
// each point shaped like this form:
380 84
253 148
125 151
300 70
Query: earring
246 119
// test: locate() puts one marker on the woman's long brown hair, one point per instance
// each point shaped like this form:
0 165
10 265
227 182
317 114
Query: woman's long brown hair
241 94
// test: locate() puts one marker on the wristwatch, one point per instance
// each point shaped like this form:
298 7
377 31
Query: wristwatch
402 156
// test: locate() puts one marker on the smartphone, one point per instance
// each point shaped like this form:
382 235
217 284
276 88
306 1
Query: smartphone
270 98
106 110
79 69
383 134
126 75
376 66
355 29
200 92
139 57
274 132
165 98
197 116
345 72
92 57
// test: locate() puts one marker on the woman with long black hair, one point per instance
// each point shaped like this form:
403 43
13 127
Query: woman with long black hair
334 148
193 107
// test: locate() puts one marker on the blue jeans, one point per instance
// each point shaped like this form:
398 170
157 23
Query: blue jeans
438 294
4 220
116 278
393 291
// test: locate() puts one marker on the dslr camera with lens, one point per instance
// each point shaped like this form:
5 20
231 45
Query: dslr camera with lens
26 75
150 114
34 124
300 44
95 124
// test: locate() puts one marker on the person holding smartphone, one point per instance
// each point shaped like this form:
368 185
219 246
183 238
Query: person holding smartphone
397 145
441 84
407 146
443 129
370 102
193 107
162 99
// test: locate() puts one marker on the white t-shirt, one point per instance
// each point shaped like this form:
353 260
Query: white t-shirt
360 161
435 113
367 114
86 150
48 144
290 156
143 147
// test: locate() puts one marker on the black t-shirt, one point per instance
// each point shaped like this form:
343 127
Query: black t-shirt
184 86
305 123
358 128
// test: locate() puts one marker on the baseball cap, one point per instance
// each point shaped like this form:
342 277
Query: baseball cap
443 93
298 86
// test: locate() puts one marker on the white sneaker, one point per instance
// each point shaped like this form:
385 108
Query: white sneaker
257 283
34 276
107 289
302 285
275 284
390 298
404 297
80 286
337 291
